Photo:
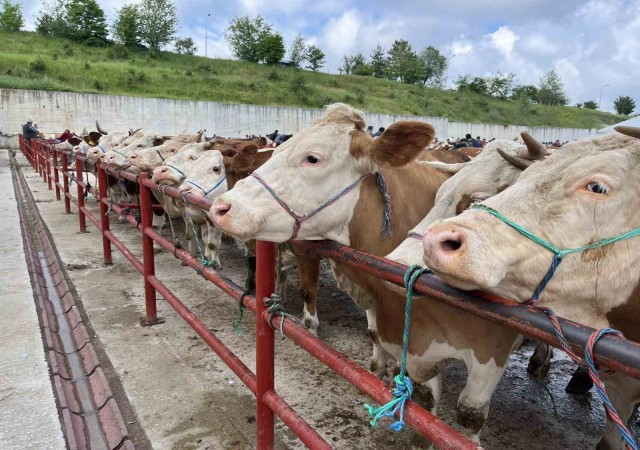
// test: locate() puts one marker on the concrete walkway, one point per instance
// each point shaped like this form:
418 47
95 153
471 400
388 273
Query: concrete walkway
28 413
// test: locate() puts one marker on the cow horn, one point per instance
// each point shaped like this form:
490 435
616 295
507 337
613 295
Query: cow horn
629 131
85 132
448 168
535 150
520 163
199 135
100 130
135 131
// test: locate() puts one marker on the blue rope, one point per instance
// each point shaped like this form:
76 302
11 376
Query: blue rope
387 231
210 190
403 388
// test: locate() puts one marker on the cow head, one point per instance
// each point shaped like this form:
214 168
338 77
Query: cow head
120 157
147 159
175 169
489 173
309 170
207 178
585 192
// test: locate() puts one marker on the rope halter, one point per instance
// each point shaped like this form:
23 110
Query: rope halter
382 187
207 192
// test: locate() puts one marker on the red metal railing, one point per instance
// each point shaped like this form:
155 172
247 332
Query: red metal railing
611 352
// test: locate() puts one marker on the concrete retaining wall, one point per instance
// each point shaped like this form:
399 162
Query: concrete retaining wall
56 111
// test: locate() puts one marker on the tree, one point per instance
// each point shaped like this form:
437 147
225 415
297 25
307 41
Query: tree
297 52
126 28
378 62
271 48
315 57
347 65
590 104
551 90
624 105
403 63
158 22
52 19
527 91
87 21
432 65
501 85
11 16
185 46
254 40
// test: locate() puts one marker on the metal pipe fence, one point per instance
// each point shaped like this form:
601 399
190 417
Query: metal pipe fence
611 352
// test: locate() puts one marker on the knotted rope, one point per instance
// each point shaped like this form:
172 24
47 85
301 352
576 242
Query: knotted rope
274 308
387 230
596 335
403 388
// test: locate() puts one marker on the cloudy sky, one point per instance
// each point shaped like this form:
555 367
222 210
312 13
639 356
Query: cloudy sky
589 43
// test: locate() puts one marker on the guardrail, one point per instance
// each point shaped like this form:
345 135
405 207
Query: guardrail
611 352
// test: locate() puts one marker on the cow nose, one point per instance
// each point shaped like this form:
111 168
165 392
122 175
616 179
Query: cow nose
220 209
446 243
164 170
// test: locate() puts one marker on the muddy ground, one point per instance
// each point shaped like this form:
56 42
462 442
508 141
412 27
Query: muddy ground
185 397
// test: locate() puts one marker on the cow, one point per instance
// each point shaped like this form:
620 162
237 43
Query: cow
307 172
207 179
237 143
582 194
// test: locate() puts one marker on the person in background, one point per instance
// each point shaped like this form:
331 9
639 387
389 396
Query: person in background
29 131
370 130
282 138
379 132
273 135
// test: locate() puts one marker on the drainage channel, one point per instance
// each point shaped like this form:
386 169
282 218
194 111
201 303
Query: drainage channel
89 414
79 378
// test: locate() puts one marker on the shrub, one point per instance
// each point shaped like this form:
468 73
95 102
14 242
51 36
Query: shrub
273 76
87 66
188 73
37 66
298 84
97 84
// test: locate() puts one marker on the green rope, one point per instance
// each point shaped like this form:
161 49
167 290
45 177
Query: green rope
403 385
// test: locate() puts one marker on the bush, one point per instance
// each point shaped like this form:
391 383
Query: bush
360 95
298 84
54 56
68 50
188 73
333 83
87 66
37 66
97 84
118 52
273 76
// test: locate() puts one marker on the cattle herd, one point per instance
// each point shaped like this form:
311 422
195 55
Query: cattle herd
319 185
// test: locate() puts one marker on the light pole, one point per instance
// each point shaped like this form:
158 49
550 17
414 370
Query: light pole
206 36
600 99
446 79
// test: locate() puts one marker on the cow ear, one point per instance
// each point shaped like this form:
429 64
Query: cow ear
74 141
95 136
229 153
401 143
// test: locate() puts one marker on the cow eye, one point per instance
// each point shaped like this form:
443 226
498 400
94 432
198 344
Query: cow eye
313 159
193 157
216 169
598 187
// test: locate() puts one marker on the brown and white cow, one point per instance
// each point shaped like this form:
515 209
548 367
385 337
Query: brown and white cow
309 170
582 194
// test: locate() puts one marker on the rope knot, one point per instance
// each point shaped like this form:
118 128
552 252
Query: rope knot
274 308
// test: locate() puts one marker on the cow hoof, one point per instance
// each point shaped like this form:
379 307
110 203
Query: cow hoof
310 326
377 368
472 419
121 220
580 382
156 248
537 370
422 394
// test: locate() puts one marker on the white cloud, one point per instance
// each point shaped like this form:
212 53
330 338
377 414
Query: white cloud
503 40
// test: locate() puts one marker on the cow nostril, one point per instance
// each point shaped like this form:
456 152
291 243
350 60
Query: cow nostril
133 156
221 209
450 245
163 170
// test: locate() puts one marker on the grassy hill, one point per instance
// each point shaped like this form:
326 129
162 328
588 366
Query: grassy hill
30 61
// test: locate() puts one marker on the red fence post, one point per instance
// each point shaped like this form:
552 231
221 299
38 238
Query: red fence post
104 214
65 183
265 286
81 217
146 218
47 152
40 160
56 175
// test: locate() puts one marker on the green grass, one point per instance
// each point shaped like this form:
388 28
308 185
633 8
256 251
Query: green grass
30 61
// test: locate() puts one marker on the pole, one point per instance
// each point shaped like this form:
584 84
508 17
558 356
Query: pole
146 218
104 214
265 280
206 36
56 176
47 152
81 217
600 99
65 182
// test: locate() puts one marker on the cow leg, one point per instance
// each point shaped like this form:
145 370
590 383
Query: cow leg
213 243
540 361
378 364
624 393
308 275
190 238
158 221
580 382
